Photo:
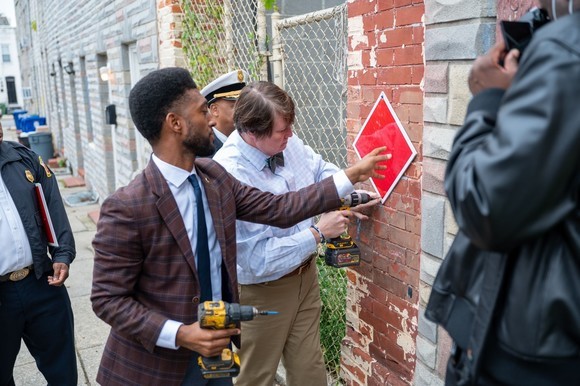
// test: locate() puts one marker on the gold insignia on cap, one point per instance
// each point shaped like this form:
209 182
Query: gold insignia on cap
46 169
29 175
240 75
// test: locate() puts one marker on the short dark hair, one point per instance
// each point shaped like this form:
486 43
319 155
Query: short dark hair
257 106
152 98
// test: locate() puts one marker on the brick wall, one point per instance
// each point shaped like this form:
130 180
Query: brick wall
90 34
385 46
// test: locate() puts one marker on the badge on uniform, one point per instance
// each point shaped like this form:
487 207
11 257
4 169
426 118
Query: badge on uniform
29 175
46 169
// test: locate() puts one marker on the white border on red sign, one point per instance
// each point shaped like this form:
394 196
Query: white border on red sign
403 131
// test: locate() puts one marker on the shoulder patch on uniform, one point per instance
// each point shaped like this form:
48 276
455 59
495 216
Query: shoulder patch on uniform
46 169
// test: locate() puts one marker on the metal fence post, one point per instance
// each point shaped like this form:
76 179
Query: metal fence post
278 75
261 34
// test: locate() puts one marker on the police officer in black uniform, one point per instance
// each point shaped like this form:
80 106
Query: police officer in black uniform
34 304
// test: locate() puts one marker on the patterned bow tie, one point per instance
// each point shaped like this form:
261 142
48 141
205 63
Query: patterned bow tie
275 160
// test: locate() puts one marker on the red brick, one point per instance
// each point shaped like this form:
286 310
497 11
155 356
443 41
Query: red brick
418 73
380 230
372 320
415 126
409 54
405 274
355 371
378 351
361 354
402 188
408 94
404 238
384 20
385 4
403 304
395 75
398 37
360 7
403 3
385 57
418 34
352 109
390 284
413 224
391 217
409 15
377 293
379 375
401 367
408 205
412 259
397 380
414 170
394 251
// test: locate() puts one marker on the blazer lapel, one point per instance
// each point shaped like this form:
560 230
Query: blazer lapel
169 212
212 193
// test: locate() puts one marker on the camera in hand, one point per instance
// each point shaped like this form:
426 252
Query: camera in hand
517 34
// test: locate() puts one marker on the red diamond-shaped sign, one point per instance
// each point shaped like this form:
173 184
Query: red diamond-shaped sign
383 128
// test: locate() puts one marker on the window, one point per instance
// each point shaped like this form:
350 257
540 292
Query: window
26 93
5 53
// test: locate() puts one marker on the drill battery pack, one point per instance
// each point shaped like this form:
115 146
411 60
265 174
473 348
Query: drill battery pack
342 256
227 364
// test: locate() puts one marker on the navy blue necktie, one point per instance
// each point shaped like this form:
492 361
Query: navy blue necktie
202 249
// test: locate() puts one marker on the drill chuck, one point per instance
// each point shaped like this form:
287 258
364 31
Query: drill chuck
354 199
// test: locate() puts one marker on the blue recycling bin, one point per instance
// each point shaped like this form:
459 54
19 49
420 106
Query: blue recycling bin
21 121
41 144
30 123
17 114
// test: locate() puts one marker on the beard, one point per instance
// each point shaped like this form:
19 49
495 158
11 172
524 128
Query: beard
198 144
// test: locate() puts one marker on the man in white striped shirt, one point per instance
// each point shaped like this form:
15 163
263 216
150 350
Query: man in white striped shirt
276 267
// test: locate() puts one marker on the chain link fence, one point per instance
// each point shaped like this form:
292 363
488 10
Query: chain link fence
219 36
313 48
222 35
313 52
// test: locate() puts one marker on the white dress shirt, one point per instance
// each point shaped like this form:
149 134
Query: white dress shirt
185 198
221 136
16 252
266 253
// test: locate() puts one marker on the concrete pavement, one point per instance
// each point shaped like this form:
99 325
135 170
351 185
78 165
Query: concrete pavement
90 332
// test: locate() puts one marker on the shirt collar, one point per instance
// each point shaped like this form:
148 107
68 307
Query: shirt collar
219 135
252 154
174 175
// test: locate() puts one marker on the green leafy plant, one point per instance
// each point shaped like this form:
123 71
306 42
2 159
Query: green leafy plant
333 283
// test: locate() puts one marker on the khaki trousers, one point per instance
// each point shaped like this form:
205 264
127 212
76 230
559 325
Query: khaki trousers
293 335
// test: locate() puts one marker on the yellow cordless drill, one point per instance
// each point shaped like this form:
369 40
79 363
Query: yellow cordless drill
341 251
220 315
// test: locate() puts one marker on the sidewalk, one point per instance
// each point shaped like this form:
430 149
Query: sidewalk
90 332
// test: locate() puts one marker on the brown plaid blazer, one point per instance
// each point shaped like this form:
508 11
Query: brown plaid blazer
144 272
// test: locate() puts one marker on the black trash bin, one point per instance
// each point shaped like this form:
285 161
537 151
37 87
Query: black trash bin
41 144
23 139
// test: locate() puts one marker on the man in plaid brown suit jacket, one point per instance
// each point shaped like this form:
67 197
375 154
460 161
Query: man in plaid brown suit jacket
145 281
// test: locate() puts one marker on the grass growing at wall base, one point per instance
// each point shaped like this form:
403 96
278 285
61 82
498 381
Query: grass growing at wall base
333 285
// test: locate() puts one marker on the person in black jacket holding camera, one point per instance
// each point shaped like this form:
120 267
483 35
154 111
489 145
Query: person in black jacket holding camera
508 291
